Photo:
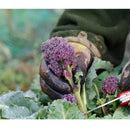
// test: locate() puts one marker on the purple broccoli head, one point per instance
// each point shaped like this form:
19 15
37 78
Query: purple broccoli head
56 67
69 98
59 54
109 85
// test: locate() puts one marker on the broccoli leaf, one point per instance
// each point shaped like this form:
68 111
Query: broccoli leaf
42 113
122 113
91 75
77 75
101 64
15 106
107 117
15 112
91 95
93 117
30 94
60 109
96 65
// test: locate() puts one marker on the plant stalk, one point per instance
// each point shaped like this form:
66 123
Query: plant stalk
104 110
81 103
98 96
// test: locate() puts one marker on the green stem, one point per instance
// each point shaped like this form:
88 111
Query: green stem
70 81
83 94
77 95
80 103
98 96
104 110
70 78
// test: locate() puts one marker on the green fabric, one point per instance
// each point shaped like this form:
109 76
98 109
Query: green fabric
109 25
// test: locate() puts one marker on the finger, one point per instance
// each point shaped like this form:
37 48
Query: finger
49 91
52 80
125 77
84 61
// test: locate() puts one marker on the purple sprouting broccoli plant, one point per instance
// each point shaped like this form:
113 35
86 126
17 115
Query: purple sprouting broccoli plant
59 54
70 98
61 59
109 84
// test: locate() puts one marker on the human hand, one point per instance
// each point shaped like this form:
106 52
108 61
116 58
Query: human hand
125 77
55 87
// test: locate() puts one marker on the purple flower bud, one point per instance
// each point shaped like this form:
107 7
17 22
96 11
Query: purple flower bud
56 67
67 73
69 98
74 62
59 50
109 85
75 87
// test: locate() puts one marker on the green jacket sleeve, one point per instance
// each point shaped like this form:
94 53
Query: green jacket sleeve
107 29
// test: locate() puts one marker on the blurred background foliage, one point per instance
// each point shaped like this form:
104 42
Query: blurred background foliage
21 33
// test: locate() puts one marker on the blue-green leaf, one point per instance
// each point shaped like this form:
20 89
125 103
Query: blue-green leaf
60 109
15 106
122 113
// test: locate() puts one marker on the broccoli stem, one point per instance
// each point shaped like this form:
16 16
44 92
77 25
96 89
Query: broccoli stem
81 102
83 95
104 110
76 94
98 96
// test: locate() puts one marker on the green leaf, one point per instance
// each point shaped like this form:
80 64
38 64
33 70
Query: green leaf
94 92
103 75
91 75
107 117
98 81
101 64
15 112
15 106
60 109
77 76
91 95
112 106
96 65
42 113
43 98
92 116
31 95
122 113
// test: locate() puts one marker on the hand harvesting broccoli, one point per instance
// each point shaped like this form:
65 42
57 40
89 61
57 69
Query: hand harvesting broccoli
61 59
89 38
